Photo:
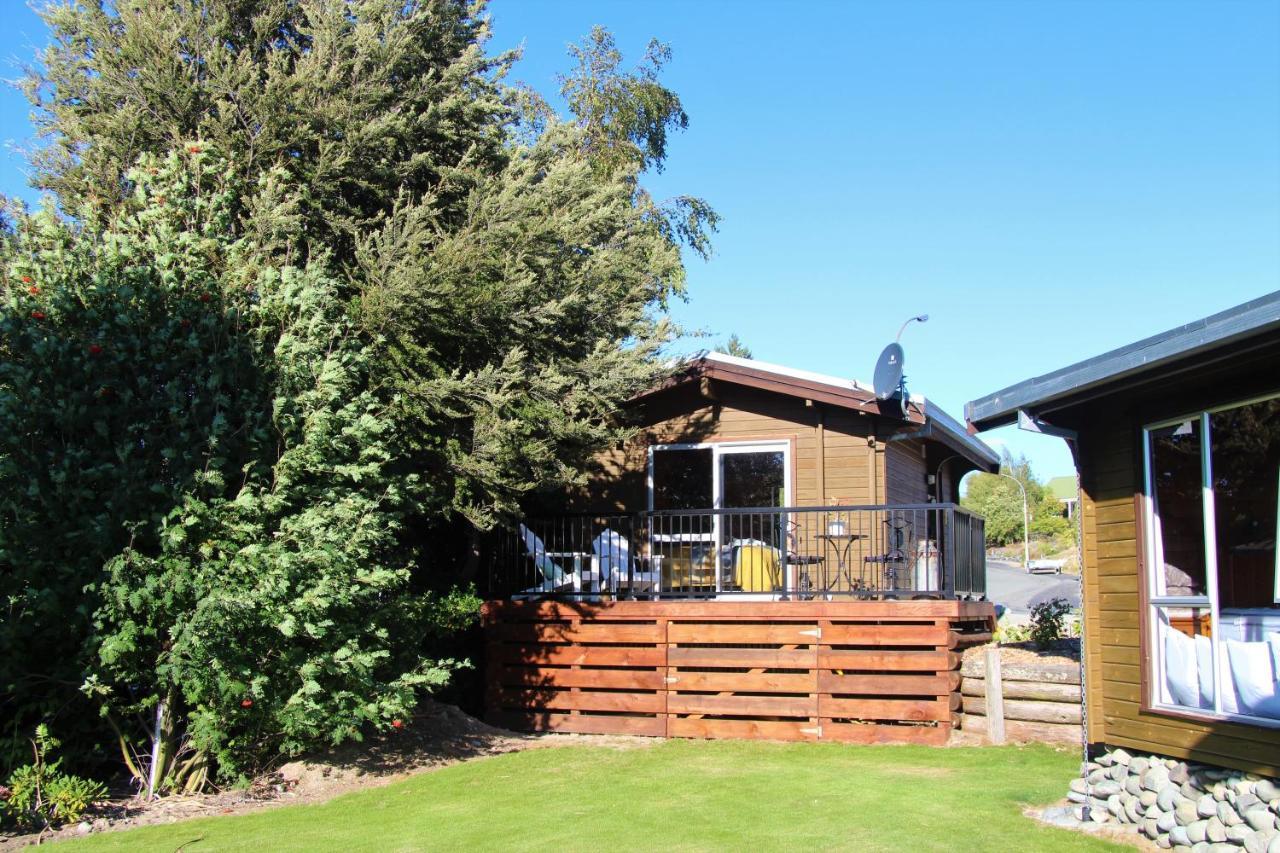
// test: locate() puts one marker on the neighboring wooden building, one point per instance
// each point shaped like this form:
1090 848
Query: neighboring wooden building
1177 442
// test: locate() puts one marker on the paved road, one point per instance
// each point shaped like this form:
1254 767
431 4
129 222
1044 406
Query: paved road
1010 585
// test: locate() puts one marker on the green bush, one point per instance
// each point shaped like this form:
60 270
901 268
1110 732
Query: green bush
1048 621
39 795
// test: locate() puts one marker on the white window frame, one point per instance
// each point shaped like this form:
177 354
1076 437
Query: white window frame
719 449
1154 559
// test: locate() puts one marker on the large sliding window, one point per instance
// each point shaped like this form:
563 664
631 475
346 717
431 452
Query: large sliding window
1213 572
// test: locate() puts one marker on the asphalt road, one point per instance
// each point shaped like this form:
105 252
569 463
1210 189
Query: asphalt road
1009 584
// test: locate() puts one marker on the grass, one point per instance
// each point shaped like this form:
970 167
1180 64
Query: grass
678 795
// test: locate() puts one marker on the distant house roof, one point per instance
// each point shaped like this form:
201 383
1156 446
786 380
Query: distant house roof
836 391
1063 488
1235 325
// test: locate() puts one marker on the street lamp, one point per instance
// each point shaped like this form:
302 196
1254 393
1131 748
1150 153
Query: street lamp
1026 526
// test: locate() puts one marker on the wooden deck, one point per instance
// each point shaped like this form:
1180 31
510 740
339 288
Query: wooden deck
854 671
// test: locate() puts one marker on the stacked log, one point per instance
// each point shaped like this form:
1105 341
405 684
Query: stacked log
1041 700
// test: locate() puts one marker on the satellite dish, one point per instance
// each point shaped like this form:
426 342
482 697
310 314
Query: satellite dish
888 375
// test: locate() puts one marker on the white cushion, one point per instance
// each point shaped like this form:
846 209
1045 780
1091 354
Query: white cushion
1204 669
1180 667
1254 674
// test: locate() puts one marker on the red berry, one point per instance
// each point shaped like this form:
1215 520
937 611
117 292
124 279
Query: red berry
33 290
94 349
246 703
204 297
194 149
38 315
26 279
397 724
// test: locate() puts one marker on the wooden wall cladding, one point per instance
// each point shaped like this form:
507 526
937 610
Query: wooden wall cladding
854 671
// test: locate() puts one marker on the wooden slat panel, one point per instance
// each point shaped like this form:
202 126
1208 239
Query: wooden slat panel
890 661
725 657
743 706
581 655
745 682
583 700
888 635
711 632
634 679
744 729
582 723
911 710
854 733
585 632
888 685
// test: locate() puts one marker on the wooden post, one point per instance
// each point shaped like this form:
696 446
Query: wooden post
995 697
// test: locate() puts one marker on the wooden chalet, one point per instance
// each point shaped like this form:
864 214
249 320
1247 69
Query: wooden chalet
776 554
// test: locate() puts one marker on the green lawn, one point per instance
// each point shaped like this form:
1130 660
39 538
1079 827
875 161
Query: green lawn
684 795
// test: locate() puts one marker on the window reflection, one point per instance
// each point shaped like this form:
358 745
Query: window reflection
1245 453
1175 482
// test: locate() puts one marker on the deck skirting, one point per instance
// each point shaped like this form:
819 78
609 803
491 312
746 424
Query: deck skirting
855 671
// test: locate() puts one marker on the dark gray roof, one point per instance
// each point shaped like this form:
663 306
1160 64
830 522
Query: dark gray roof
1257 317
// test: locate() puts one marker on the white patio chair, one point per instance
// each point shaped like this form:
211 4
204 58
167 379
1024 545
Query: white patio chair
615 567
554 577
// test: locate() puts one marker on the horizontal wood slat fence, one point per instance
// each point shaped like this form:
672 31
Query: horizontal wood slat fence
853 671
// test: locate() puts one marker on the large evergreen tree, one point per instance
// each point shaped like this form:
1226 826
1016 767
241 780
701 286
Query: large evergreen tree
491 279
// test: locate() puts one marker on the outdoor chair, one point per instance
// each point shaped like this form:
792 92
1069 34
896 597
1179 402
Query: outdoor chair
554 577
614 566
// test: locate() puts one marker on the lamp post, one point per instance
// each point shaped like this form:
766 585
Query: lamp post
1026 526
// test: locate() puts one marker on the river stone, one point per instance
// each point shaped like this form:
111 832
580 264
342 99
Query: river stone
1167 798
1133 785
1148 798
1079 785
1178 837
1206 806
1190 791
1166 822
1223 847
1097 776
1119 756
1099 815
1077 797
1114 806
1260 818
1133 811
1256 842
1185 813
1106 759
1179 773
1267 790
1215 831
1200 847
1274 846
1139 765
1238 833
1219 791
1088 767
1155 778
1227 814
1118 772
1198 831
1152 811
1106 789
1245 802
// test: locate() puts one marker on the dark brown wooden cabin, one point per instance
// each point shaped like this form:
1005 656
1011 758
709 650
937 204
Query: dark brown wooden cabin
776 554
1177 443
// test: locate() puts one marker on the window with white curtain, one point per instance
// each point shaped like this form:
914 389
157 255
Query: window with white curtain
1212 496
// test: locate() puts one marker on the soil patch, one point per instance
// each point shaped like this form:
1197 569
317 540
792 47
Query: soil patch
438 735
1065 651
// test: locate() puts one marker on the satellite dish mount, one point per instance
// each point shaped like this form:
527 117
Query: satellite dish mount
889 380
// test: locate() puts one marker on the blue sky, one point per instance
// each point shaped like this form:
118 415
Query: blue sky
1046 180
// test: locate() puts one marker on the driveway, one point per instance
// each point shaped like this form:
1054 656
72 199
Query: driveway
1009 584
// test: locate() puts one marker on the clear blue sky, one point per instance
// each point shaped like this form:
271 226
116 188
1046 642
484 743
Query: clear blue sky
1047 180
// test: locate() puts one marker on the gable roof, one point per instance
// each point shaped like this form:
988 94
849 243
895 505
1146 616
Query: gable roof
1255 318
835 391
1063 488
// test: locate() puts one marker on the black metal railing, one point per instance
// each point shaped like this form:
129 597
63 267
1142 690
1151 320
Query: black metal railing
877 551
